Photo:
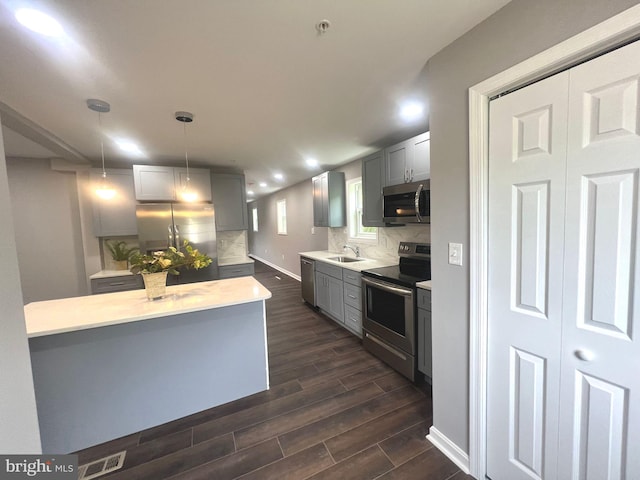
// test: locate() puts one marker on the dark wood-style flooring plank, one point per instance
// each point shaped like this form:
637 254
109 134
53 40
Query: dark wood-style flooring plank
429 465
407 444
368 464
295 467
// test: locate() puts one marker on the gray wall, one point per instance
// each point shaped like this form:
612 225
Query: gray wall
46 216
19 432
520 30
282 250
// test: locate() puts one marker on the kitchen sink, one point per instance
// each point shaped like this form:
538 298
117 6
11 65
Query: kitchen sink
345 259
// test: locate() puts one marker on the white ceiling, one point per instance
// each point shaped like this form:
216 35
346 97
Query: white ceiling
267 90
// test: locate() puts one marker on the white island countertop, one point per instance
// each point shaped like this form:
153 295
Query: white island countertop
80 313
362 264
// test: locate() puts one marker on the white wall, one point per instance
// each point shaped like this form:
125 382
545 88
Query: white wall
520 30
19 431
48 233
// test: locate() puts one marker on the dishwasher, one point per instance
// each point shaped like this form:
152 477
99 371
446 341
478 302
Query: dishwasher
308 275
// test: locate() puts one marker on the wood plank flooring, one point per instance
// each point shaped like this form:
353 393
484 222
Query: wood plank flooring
333 412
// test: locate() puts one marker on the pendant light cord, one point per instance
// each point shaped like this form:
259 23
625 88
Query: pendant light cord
186 155
104 172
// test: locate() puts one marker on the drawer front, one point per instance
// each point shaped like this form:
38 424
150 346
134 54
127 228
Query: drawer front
353 320
231 271
349 276
116 284
424 299
353 296
328 269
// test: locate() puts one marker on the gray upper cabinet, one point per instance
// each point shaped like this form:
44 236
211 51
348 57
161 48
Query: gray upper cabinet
158 183
115 216
372 183
408 161
229 201
329 200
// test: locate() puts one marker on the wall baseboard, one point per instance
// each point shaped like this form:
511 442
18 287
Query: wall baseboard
450 449
273 265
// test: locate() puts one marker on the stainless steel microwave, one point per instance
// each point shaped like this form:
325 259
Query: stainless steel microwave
407 203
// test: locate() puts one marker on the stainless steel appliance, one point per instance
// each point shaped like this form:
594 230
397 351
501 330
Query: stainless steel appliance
389 307
161 225
308 276
407 203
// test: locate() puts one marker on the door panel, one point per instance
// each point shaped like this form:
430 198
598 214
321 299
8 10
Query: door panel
600 408
527 149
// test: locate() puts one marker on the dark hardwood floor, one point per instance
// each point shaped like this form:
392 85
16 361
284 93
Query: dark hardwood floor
333 412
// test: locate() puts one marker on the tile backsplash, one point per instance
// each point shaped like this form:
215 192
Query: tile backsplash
232 244
388 240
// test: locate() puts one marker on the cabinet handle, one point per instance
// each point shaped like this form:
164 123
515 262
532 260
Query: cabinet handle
116 284
351 296
411 174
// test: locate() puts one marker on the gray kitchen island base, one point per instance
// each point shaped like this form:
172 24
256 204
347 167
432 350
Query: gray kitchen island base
99 384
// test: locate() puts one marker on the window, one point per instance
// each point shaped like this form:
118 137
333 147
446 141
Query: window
354 214
254 218
281 207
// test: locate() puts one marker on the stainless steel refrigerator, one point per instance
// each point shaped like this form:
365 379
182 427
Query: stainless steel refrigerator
161 225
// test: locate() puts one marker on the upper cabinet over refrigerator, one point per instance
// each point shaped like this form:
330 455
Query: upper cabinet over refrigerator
156 183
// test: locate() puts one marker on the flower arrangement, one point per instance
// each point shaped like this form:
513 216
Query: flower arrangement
170 260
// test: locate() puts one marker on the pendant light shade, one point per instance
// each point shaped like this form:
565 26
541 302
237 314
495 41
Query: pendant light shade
104 190
187 193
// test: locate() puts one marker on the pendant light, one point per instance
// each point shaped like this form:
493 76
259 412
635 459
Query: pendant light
187 193
104 189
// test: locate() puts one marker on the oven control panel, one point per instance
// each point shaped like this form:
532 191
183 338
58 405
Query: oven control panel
414 249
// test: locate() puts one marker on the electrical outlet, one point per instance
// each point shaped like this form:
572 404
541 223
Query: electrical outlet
455 254
313 230
283 256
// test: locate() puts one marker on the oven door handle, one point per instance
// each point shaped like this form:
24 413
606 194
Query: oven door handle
417 202
387 287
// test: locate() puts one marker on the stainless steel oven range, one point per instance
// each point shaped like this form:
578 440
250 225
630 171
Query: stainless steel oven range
389 307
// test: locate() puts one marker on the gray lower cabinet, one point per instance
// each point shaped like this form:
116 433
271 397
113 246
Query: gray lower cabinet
230 201
240 270
339 295
424 331
116 284
114 216
330 290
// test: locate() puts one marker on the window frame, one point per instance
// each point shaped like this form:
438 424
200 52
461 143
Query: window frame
254 219
281 216
355 229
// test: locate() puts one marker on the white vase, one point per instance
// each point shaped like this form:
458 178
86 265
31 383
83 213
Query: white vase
155 284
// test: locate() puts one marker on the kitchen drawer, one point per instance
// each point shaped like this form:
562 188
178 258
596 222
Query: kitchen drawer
328 269
353 320
349 276
231 271
353 296
424 299
116 284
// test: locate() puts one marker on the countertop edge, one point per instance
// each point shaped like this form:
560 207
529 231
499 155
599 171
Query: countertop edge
365 264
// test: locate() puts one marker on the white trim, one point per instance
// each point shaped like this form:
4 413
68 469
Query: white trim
450 449
280 269
614 31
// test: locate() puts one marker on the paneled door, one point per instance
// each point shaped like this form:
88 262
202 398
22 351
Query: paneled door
564 359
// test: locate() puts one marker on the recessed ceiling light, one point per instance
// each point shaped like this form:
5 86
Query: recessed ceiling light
412 111
263 184
39 22
278 176
249 192
312 162
129 146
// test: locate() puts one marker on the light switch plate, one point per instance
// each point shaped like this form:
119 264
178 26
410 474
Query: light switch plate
455 254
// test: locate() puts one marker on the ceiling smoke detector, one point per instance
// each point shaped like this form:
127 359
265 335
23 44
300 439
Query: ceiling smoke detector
322 26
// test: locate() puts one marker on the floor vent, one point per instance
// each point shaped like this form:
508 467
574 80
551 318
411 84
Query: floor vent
101 467
277 277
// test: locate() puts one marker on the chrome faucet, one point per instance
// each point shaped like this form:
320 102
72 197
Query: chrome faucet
355 249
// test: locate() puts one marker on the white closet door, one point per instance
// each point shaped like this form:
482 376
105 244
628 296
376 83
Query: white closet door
527 148
600 394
